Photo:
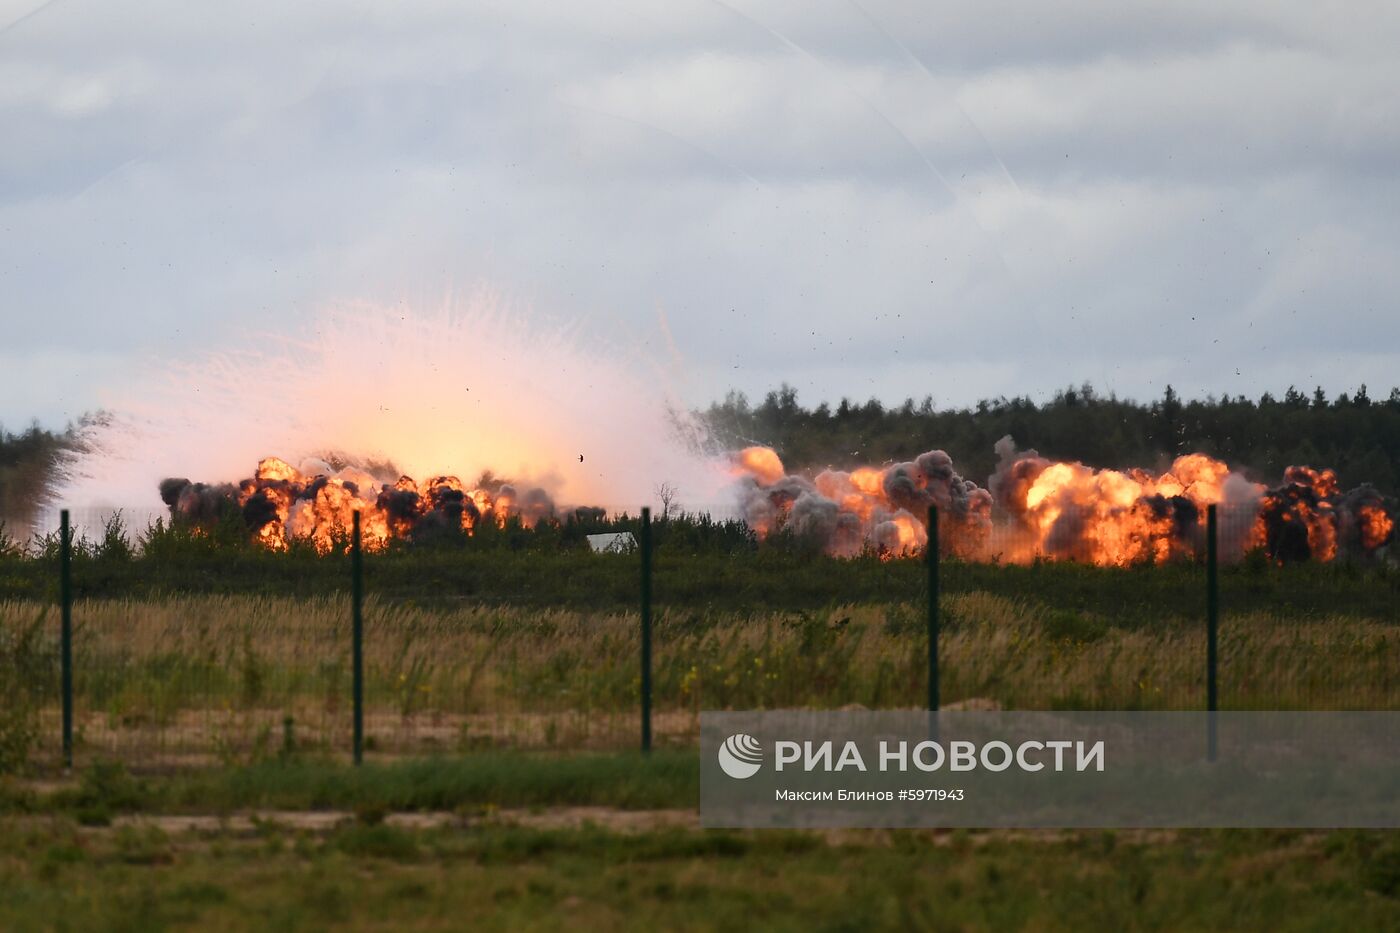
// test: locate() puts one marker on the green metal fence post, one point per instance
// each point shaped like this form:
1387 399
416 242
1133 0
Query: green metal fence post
65 590
357 638
1212 627
645 546
933 698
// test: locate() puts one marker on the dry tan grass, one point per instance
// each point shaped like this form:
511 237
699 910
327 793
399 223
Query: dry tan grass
216 676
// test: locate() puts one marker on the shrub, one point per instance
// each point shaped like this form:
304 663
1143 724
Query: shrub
26 665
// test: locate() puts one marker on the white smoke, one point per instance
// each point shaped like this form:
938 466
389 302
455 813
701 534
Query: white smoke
468 387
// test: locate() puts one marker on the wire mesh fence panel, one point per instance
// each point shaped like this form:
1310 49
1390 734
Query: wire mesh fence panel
1085 610
190 681
30 698
472 678
1307 621
477 649
844 656
1329 663
1072 627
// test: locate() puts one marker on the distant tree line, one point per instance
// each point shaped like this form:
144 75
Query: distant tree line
1354 434
31 463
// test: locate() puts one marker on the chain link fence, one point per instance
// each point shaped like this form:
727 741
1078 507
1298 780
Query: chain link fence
177 680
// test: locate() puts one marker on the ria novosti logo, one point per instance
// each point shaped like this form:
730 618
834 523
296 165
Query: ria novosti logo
741 756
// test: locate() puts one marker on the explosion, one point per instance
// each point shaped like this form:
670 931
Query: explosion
317 503
1308 518
475 385
885 508
1033 508
1037 508
1071 511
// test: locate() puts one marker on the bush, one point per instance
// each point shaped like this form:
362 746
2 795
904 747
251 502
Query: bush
26 666
115 545
1381 872
9 546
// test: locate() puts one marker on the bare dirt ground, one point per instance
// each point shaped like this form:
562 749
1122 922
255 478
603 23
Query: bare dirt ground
203 738
610 819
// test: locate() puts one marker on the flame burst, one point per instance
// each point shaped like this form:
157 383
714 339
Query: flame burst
1063 510
477 384
1071 511
317 503
1376 526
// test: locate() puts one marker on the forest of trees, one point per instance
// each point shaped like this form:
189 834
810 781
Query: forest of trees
1354 434
30 462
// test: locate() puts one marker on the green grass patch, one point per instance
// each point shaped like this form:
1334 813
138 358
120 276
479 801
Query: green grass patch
477 783
496 876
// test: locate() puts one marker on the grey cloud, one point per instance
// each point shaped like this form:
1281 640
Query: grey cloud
1098 191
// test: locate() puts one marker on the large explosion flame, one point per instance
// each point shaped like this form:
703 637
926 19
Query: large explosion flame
317 503
1040 508
367 394
375 396
1034 508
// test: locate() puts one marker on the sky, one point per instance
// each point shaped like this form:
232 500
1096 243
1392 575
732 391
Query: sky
857 197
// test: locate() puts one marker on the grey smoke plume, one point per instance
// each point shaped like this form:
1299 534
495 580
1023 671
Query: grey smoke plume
1015 471
197 503
1076 513
931 480
884 509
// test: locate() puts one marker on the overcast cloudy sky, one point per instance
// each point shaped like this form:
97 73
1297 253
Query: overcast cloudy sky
860 198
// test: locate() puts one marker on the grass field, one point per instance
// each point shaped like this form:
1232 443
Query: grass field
609 842
227 679
213 729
